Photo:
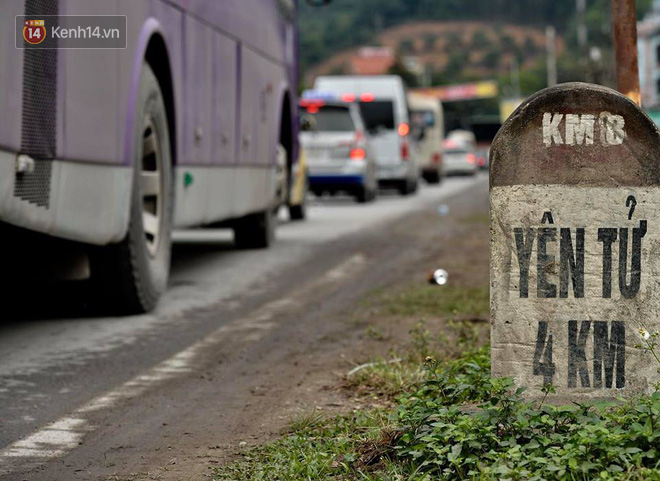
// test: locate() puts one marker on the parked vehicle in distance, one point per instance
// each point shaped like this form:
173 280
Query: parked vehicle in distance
338 153
483 158
194 123
464 138
459 159
428 131
382 101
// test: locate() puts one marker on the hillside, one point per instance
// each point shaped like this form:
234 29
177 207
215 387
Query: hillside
465 49
329 34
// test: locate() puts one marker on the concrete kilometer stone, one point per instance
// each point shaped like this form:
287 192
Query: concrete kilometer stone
575 244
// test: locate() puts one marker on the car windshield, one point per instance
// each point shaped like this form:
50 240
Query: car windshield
378 115
332 119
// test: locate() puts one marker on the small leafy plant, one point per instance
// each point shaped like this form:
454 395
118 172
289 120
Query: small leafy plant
649 345
461 424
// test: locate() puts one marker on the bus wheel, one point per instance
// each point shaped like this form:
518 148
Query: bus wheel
407 187
433 177
130 276
255 231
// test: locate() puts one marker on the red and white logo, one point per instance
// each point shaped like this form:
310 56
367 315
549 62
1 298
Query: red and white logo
34 31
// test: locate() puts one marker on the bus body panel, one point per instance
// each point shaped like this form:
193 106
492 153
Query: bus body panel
250 21
88 91
92 107
198 111
11 75
225 85
226 58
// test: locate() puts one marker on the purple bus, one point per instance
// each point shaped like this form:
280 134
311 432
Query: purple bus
193 123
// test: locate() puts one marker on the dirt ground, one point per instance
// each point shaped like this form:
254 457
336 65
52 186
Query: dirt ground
250 386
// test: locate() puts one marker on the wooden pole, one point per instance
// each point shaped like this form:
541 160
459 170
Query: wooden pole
624 21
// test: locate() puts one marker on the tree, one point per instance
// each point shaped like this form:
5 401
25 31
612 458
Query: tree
479 40
409 78
429 41
530 46
455 39
406 46
491 59
454 66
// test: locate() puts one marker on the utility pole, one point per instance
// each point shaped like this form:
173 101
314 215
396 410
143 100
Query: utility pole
551 55
624 21
515 76
582 30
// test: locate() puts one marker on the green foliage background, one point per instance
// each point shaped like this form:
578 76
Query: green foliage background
349 23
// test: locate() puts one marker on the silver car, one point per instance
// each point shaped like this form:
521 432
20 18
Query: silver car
339 155
459 159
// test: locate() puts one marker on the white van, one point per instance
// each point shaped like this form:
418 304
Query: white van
427 126
382 101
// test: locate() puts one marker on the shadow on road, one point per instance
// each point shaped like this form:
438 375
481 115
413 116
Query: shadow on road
23 300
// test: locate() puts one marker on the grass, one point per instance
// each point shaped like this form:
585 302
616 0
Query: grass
389 377
350 447
481 218
433 301
326 449
447 419
455 308
459 423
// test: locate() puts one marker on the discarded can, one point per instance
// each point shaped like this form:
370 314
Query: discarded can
438 277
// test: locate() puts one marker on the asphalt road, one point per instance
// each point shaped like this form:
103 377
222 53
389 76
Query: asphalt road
56 370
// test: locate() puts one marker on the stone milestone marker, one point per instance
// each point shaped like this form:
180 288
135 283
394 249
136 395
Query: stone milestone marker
575 243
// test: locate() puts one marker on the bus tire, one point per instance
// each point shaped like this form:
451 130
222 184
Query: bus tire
130 276
433 177
415 185
407 187
255 231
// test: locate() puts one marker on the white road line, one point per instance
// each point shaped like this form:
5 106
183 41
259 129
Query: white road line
62 436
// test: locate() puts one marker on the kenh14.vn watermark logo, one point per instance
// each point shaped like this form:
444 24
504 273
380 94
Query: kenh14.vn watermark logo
71 31
34 31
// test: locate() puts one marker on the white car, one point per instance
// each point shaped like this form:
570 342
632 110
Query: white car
459 159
